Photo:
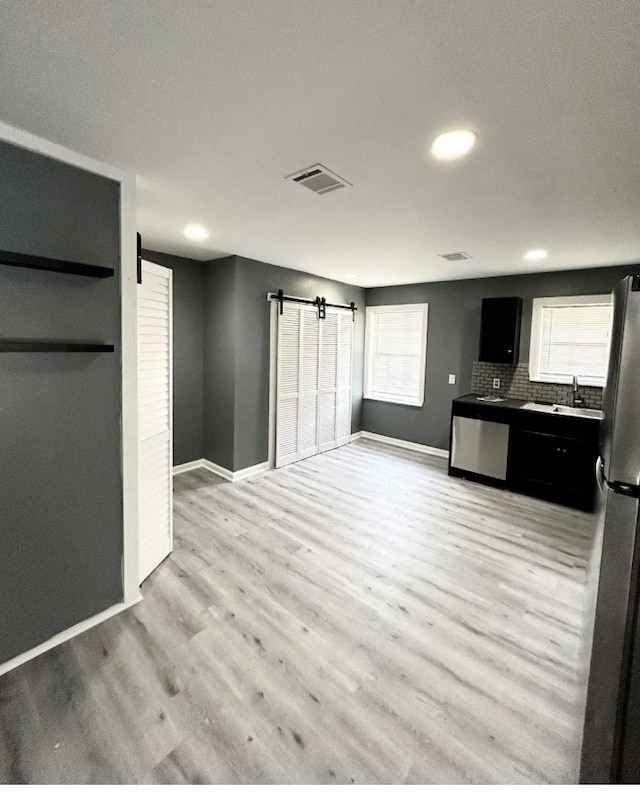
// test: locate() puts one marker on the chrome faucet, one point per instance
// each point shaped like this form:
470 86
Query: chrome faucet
577 399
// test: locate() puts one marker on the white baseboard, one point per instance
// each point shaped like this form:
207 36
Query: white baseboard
259 468
398 442
209 465
234 476
192 464
65 635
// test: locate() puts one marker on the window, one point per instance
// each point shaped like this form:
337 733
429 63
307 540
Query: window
396 353
570 336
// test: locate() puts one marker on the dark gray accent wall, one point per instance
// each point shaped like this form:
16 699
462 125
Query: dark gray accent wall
188 354
251 415
453 339
61 531
221 321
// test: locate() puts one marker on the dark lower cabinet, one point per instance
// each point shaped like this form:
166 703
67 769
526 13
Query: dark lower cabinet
553 467
549 456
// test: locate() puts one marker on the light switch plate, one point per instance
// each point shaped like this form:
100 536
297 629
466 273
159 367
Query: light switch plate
496 383
452 379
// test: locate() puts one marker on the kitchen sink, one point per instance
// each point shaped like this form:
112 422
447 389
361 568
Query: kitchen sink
547 409
593 413
566 410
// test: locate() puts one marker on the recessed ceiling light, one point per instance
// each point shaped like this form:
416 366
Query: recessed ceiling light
195 232
454 144
536 255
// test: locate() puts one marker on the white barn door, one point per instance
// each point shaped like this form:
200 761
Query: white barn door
313 382
308 406
297 384
155 416
328 380
344 374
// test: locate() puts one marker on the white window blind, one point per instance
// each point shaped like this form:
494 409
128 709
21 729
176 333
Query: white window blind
570 336
396 350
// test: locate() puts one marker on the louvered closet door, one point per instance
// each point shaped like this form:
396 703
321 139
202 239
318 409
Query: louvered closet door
328 380
155 422
288 384
308 405
344 385
313 404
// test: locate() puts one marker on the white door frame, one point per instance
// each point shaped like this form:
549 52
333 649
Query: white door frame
128 347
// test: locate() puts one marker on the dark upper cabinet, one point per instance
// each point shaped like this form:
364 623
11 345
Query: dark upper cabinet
500 330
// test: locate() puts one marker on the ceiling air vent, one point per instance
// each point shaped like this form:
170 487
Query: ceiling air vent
319 179
457 256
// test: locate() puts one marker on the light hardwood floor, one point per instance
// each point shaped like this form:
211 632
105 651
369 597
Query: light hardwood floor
358 617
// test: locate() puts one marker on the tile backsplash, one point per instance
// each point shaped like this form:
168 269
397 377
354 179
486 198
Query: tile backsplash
515 384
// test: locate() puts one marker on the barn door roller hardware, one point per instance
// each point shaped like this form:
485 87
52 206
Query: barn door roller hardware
320 303
139 257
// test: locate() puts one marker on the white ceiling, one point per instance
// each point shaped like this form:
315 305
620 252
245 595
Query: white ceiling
212 102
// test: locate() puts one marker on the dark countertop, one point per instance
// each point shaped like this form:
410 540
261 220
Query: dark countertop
519 405
474 399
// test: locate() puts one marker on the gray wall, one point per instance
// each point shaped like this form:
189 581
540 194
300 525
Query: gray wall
188 353
453 338
221 320
61 532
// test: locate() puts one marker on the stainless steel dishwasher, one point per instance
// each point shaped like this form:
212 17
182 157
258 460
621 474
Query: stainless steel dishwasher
480 447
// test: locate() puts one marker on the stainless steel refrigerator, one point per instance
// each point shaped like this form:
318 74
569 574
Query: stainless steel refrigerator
611 738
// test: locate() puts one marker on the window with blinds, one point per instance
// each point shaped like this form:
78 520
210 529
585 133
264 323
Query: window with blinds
570 336
396 353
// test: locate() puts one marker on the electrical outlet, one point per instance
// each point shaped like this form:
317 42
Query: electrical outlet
452 379
496 383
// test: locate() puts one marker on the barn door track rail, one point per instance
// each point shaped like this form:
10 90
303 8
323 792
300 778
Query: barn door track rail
320 303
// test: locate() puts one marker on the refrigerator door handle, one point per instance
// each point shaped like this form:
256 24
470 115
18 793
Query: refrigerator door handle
600 473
